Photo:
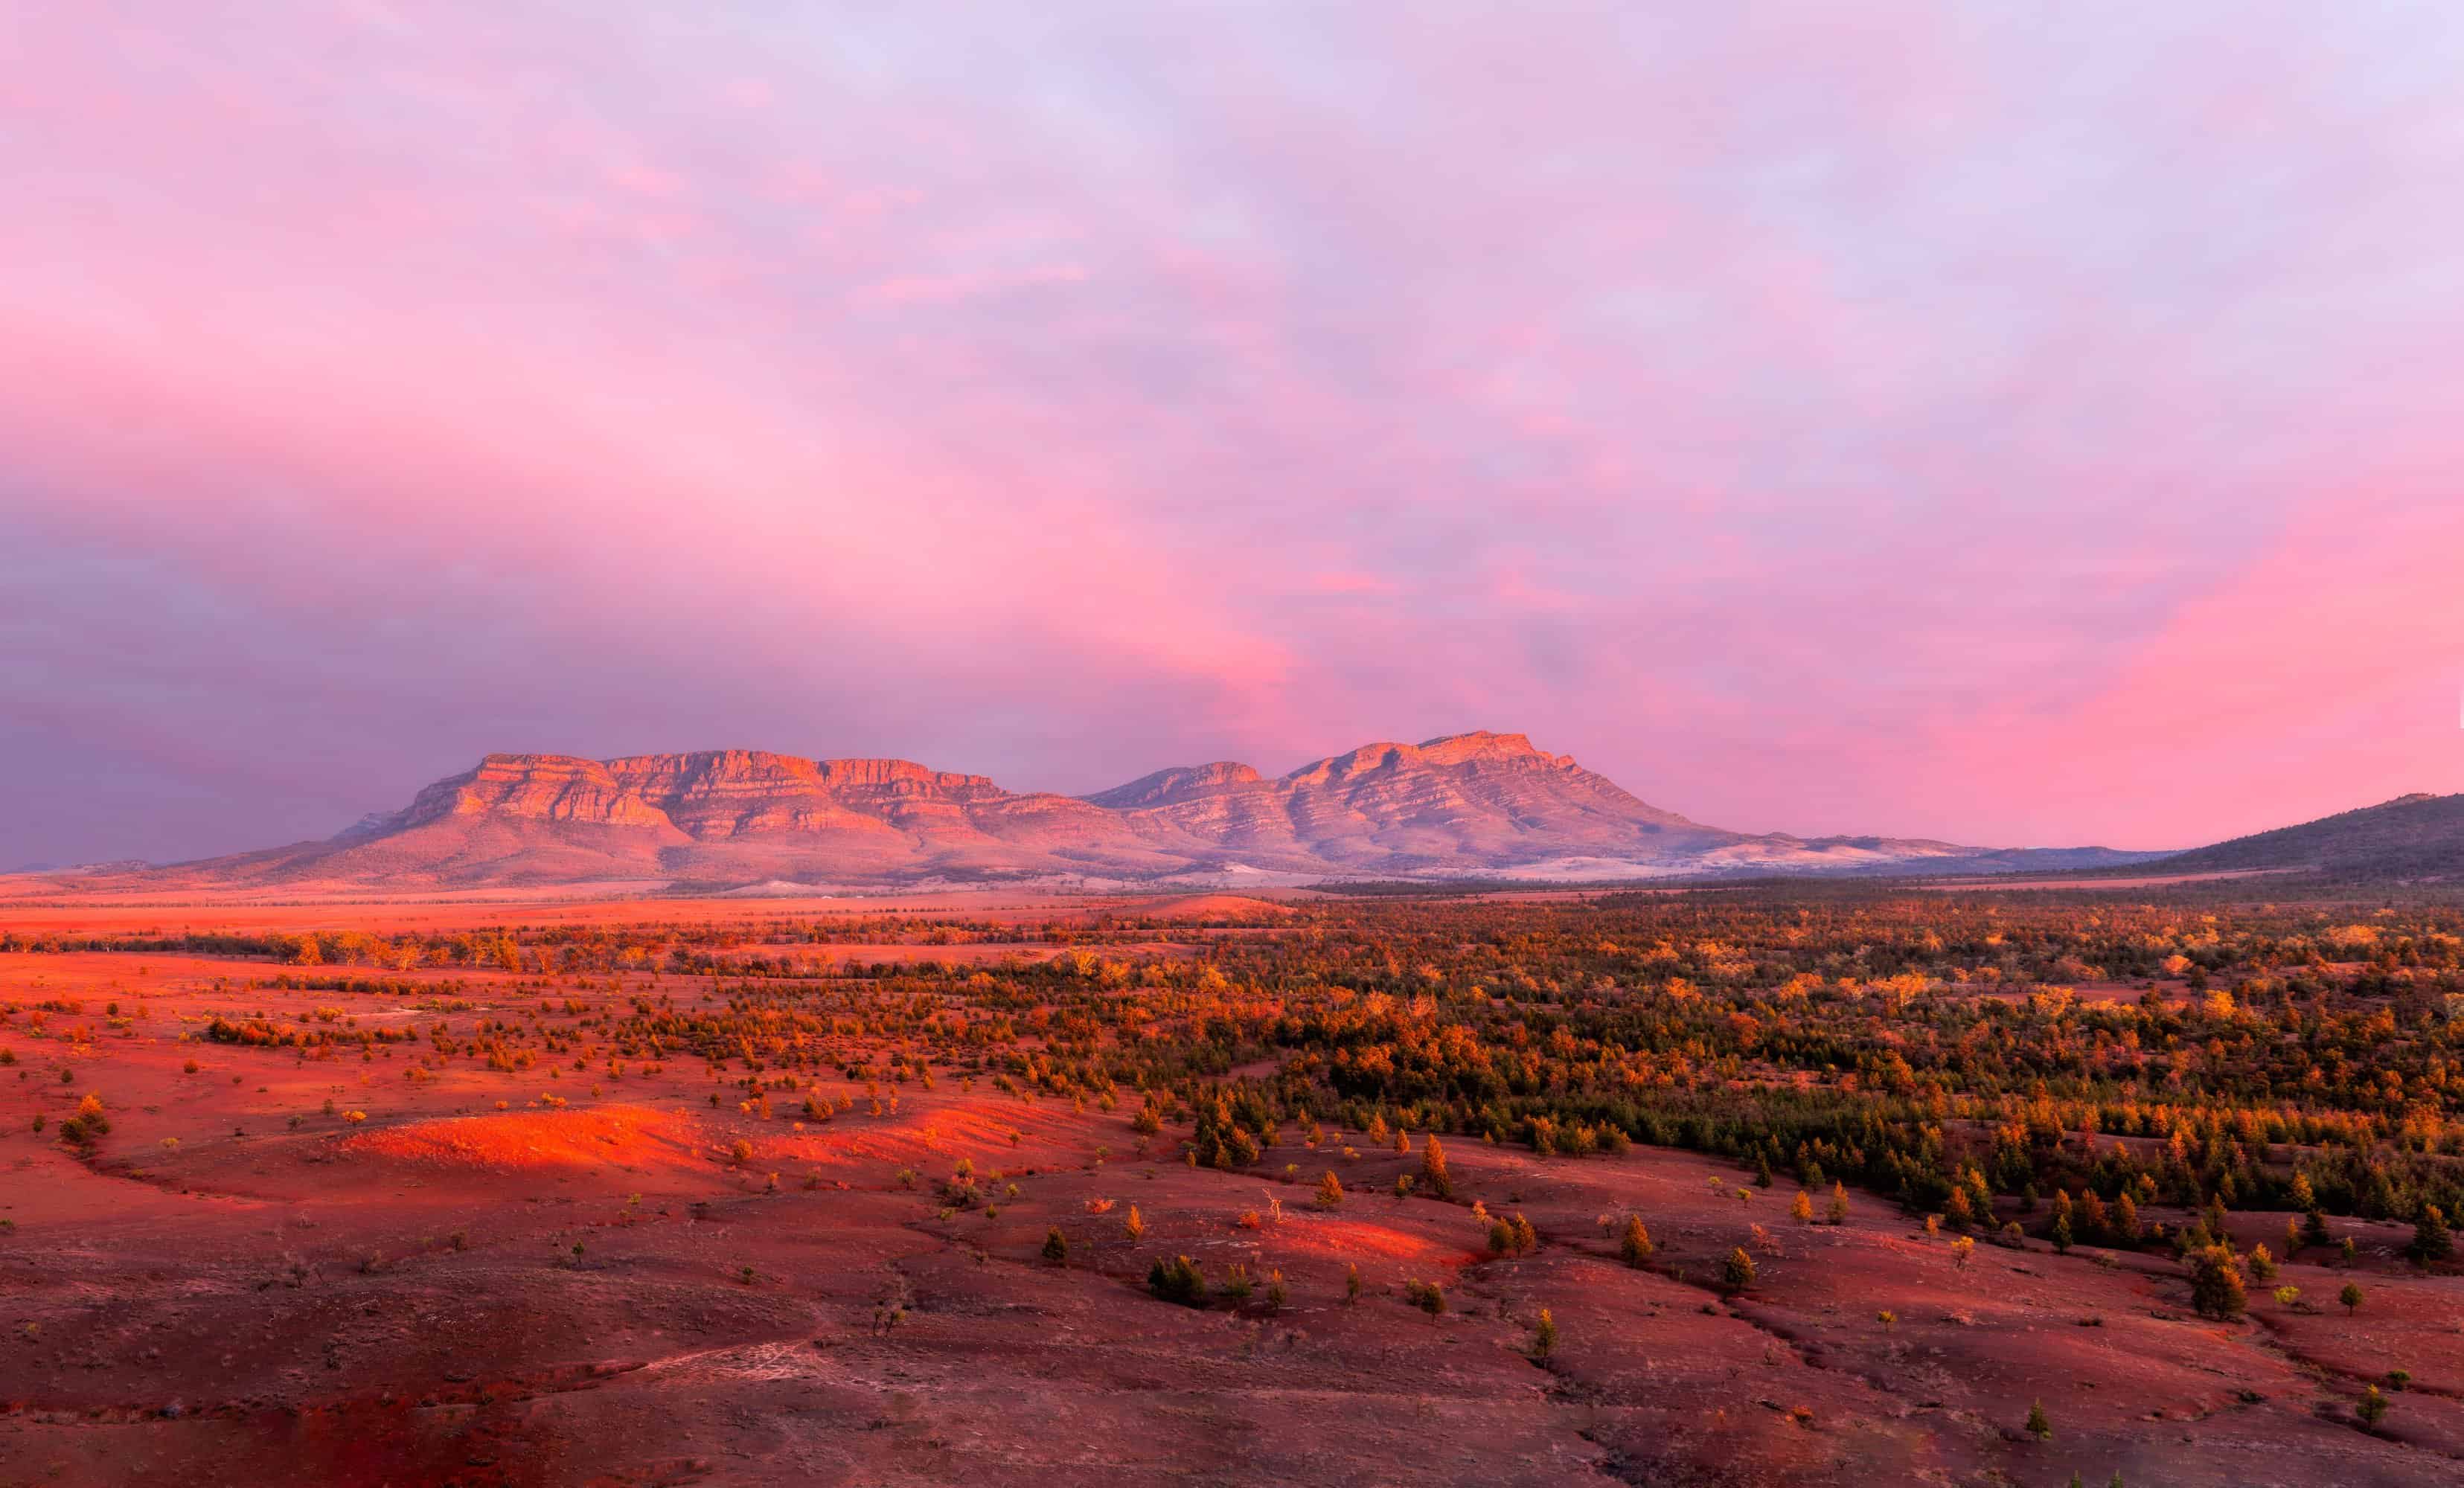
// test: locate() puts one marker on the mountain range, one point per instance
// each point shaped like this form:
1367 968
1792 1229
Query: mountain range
1465 805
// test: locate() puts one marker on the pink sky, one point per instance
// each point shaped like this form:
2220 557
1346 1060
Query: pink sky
2020 426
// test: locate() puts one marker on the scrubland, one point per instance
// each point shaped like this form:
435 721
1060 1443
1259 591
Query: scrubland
1734 1187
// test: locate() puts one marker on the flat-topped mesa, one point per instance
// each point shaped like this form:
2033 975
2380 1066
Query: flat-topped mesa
1471 803
535 787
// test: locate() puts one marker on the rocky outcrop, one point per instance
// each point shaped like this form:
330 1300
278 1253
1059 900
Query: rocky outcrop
1466 803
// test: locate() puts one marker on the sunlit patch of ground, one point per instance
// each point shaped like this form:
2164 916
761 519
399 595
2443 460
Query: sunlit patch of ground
515 1141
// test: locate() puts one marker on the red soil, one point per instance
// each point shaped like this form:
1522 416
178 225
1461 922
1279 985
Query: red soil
449 1293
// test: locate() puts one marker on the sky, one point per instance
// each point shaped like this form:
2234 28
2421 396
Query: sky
2015 424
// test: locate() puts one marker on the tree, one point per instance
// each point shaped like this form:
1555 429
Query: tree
1961 1249
2262 1265
2314 1228
1133 1227
1330 1190
1056 1246
2061 1235
2040 1425
1838 1203
1801 1207
1737 1271
2352 1297
1544 1335
2431 1241
2373 1408
1635 1247
1434 1178
1351 1285
2216 1284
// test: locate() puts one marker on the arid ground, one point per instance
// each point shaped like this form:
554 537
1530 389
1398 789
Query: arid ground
847 1205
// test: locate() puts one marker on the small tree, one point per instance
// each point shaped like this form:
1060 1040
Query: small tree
2352 1297
2216 1284
2262 1265
1801 1207
2040 1425
1056 1246
1544 1335
1330 1190
1351 1285
1635 1247
1434 1178
1961 1249
1737 1272
1133 1227
1838 1203
2431 1241
2373 1408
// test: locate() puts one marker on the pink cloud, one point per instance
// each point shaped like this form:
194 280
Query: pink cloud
1904 422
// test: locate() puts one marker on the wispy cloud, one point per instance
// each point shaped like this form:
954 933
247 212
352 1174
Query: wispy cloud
1940 421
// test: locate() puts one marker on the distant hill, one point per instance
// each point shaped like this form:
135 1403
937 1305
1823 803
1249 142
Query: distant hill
2411 837
1462 805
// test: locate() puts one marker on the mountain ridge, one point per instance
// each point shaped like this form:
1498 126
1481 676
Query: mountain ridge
2417 835
1459 805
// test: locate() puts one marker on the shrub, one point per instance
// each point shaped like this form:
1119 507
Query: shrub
1178 1281
1056 1246
1737 1271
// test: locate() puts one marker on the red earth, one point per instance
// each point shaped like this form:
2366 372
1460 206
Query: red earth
282 1269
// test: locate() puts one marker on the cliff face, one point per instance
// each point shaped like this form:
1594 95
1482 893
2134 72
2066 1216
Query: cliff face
1467 804
722 815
